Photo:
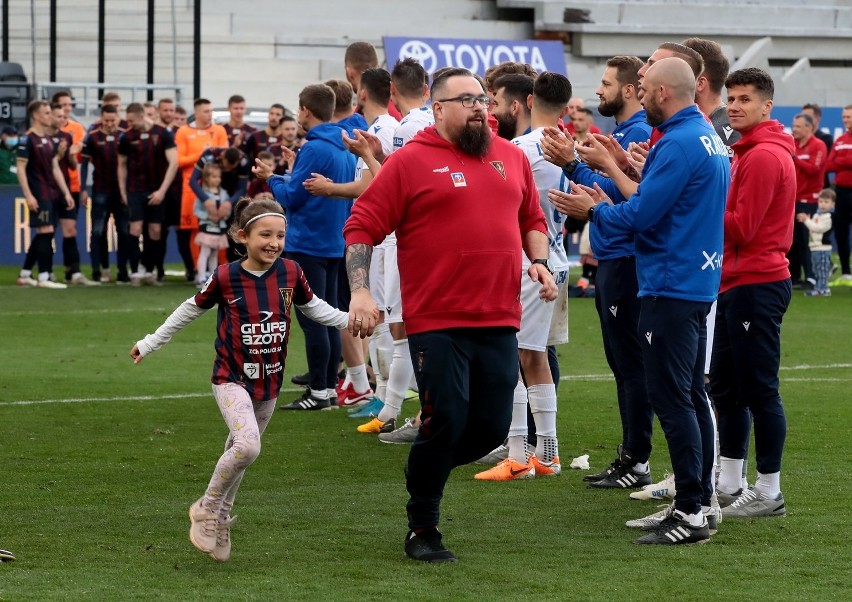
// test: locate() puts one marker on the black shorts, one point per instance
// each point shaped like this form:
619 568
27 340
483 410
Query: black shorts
61 207
45 216
171 210
140 210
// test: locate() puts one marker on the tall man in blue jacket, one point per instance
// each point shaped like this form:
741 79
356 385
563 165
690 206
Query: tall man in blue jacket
676 215
315 231
616 283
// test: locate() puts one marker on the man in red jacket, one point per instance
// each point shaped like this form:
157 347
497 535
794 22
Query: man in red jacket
840 162
810 156
463 204
753 297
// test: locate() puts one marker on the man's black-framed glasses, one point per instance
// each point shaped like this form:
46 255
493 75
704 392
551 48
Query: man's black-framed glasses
468 102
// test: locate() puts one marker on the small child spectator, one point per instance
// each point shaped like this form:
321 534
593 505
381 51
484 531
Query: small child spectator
820 228
212 222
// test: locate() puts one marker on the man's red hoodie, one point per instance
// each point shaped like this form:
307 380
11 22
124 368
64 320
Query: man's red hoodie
760 208
840 160
459 222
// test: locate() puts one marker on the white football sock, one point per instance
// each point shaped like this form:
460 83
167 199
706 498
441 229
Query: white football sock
730 477
641 467
518 429
357 375
768 484
518 448
696 520
543 406
400 375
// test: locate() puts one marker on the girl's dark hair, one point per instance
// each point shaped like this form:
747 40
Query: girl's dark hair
246 208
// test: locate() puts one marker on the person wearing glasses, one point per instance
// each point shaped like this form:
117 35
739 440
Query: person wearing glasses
474 192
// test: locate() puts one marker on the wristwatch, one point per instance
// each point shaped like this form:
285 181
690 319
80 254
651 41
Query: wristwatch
591 214
571 166
543 262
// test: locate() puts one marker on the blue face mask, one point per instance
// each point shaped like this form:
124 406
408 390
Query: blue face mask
12 141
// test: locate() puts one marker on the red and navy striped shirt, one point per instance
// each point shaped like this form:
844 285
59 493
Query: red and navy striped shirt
246 130
64 162
261 141
253 323
101 149
38 152
146 157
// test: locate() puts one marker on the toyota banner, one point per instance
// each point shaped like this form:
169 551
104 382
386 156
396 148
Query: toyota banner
476 55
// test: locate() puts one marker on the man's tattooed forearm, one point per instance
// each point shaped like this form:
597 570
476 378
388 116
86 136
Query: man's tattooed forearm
358 266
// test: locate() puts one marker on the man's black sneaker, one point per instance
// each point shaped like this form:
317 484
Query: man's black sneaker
592 478
389 426
427 547
623 477
307 402
303 380
674 530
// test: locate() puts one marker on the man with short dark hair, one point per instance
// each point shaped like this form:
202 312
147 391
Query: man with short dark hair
315 231
359 57
237 129
43 186
810 157
815 111
344 107
511 104
754 294
101 152
461 306
269 138
147 164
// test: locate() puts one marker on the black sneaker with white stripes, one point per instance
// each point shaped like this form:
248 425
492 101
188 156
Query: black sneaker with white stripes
591 478
623 477
307 402
674 530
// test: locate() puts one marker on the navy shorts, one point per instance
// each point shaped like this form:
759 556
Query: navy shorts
45 216
140 210
61 207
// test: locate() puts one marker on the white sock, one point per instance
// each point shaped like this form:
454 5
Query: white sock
384 349
400 375
201 265
768 484
745 475
321 394
43 276
641 467
26 273
730 477
518 448
518 429
543 406
696 520
357 375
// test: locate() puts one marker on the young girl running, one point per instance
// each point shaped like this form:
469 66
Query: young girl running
212 224
254 296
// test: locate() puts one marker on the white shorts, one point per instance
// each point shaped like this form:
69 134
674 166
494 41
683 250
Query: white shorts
537 316
711 329
393 297
377 276
558 334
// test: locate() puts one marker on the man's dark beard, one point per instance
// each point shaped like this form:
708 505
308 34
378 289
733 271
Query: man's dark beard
475 139
612 107
653 116
506 126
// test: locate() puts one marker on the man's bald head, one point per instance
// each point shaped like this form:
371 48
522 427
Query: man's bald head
676 75
668 87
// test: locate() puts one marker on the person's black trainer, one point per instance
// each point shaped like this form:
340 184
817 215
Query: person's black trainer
307 402
674 530
427 547
623 477
303 380
591 478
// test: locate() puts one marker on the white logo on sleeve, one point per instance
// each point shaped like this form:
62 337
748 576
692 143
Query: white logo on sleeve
712 261
746 325
648 336
613 309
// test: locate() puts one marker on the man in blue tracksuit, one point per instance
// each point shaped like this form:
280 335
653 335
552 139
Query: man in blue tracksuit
676 217
616 286
315 231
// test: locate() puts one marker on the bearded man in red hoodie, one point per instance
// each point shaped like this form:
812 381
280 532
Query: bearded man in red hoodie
464 206
753 296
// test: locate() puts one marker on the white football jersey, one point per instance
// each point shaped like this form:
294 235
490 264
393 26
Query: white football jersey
416 120
547 176
384 128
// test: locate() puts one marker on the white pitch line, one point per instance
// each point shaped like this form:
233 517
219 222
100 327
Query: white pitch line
85 312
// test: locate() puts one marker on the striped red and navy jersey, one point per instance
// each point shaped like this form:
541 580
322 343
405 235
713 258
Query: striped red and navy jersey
101 149
253 323
122 125
38 151
146 157
261 141
64 162
246 130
